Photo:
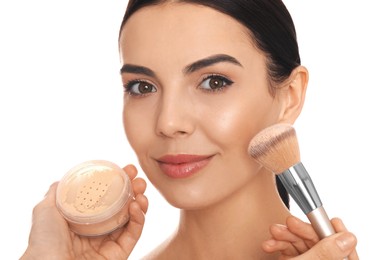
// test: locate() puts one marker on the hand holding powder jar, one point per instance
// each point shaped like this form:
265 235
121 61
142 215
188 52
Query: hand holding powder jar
94 197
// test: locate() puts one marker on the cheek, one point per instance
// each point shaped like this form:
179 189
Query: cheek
234 124
139 132
138 128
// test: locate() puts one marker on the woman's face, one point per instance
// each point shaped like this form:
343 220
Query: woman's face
196 92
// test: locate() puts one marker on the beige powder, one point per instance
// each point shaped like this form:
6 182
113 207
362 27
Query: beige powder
94 198
91 193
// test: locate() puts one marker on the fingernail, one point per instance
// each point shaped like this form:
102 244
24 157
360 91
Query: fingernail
280 226
345 241
270 242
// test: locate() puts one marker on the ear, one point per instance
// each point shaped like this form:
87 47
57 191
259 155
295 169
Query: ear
293 95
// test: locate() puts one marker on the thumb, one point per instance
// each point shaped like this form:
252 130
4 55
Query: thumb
335 247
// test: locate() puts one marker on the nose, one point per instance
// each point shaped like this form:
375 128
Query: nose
175 116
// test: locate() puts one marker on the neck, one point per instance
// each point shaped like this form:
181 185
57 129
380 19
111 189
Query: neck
235 227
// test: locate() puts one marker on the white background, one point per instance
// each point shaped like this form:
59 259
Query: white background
61 98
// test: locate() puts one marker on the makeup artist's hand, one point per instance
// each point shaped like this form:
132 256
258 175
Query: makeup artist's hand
50 237
298 241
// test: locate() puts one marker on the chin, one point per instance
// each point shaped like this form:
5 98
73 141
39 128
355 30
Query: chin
190 198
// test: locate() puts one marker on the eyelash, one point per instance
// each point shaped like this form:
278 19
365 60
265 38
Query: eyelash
129 85
226 83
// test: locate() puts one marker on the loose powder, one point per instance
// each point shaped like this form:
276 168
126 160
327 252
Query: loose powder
93 197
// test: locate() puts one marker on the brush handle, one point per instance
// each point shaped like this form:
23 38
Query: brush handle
320 222
299 185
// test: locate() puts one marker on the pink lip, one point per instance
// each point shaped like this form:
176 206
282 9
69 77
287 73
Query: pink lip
182 165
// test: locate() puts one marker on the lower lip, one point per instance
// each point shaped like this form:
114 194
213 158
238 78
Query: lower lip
183 170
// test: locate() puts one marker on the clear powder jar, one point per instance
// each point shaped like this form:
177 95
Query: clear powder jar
93 197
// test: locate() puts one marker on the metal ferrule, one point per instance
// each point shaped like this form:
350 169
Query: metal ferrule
299 185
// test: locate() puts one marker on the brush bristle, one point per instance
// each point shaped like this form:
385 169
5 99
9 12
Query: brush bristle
276 148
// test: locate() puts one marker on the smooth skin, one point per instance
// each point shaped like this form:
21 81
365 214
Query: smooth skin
196 84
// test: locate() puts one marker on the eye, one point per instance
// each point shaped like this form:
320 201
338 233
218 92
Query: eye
139 88
215 83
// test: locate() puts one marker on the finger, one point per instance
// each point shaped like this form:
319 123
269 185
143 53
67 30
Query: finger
131 171
340 227
50 196
282 233
143 203
273 246
337 246
139 186
142 200
131 234
353 255
302 229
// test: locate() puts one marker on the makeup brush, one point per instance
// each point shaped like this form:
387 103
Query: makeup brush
277 149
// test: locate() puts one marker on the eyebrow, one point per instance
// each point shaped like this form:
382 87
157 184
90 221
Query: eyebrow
218 58
130 68
197 65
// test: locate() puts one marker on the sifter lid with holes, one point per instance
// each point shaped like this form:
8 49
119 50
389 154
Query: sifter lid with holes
93 191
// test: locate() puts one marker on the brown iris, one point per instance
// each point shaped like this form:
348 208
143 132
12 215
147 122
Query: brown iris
216 83
144 88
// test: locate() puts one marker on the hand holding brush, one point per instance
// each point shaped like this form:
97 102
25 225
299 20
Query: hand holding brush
277 149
